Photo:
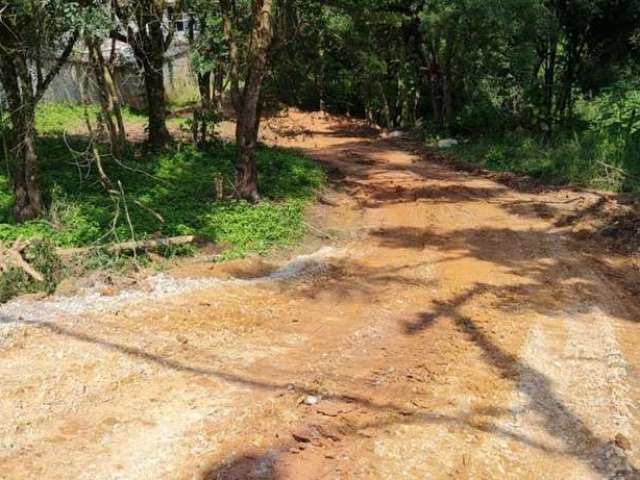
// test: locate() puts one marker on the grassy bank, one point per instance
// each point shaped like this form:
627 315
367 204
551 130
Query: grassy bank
599 147
597 161
167 194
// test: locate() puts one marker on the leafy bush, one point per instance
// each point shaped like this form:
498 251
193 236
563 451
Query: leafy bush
602 150
588 158
616 111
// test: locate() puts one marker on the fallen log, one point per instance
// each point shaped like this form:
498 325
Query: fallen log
130 246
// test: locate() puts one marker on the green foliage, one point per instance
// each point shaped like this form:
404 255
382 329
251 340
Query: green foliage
588 158
56 118
177 185
616 111
601 148
41 256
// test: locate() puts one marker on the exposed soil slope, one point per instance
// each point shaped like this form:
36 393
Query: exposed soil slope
449 328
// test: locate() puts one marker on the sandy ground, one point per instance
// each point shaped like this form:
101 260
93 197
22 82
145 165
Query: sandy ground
444 327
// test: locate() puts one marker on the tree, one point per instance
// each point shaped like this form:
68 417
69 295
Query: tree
247 100
208 60
150 36
34 34
96 25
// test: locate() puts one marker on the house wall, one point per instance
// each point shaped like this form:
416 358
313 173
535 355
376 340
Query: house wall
74 84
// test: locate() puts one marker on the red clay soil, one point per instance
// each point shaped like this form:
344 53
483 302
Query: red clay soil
448 327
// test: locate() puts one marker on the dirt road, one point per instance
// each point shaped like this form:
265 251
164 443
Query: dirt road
442 326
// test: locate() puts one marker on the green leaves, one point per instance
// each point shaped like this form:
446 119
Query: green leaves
616 111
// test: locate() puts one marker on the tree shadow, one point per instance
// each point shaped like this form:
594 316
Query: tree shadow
245 467
343 280
553 273
557 419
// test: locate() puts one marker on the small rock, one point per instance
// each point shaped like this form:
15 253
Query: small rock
311 400
447 142
622 442
331 410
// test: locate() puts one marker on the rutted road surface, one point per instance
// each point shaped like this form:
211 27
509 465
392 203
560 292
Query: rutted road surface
446 330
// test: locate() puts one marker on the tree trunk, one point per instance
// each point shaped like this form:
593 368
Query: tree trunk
156 105
549 84
246 182
447 90
201 114
218 87
16 81
145 27
248 104
321 74
435 81
573 52
26 178
149 47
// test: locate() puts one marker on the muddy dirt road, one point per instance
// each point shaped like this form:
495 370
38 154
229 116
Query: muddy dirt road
442 326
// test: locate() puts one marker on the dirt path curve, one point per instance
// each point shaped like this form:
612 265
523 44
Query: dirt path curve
448 330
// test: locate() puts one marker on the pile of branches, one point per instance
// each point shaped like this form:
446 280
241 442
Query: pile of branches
12 257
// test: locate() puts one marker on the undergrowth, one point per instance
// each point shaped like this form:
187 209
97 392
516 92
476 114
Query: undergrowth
599 147
167 194
584 159
56 118
42 257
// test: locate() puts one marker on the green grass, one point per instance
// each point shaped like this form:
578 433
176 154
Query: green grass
587 158
181 192
56 118
165 194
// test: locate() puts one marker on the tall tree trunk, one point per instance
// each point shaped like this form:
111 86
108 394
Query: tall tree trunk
571 64
24 84
246 182
26 176
447 90
156 100
321 74
149 45
435 81
218 87
201 114
549 86
16 81
248 103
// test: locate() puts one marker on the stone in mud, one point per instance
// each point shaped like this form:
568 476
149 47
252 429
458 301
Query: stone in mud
300 438
622 442
311 400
